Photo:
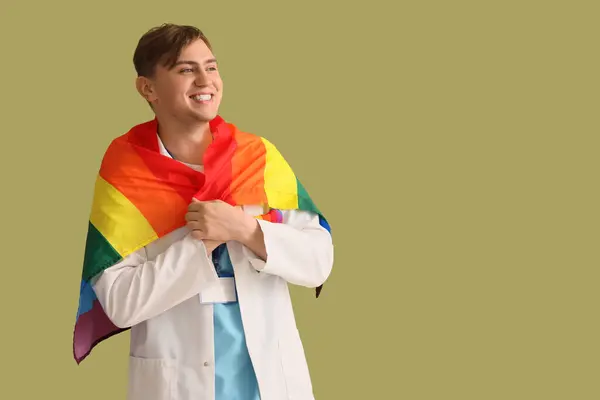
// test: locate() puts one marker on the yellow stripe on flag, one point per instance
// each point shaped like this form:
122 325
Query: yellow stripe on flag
119 220
281 186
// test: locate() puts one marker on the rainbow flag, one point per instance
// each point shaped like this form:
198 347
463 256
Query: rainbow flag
141 195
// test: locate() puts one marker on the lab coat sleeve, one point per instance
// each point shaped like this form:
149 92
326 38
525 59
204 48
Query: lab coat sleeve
137 289
299 250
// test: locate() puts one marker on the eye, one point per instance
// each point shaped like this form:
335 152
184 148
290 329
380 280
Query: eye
213 68
184 70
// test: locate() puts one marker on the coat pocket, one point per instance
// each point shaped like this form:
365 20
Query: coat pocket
295 368
151 379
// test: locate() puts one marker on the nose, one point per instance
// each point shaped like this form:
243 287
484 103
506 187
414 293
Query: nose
201 78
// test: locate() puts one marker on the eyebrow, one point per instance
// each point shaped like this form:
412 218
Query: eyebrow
209 61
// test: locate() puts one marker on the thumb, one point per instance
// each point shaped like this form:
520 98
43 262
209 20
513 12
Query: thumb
195 200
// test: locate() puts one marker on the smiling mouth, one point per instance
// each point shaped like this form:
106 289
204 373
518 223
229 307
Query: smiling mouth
202 98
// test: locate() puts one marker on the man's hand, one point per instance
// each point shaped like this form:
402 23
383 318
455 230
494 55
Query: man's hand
218 221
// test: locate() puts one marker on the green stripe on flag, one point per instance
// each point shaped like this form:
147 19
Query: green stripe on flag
304 201
98 253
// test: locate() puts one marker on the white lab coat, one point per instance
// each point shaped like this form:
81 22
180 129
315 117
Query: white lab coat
156 291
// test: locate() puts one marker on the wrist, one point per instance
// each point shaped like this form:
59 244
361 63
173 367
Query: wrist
249 226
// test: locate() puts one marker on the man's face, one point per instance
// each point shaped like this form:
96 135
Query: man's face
192 89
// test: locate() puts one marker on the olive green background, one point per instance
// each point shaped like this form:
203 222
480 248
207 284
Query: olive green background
452 145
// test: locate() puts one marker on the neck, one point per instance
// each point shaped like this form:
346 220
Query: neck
186 142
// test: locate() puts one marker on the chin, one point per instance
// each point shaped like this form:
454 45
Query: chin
204 117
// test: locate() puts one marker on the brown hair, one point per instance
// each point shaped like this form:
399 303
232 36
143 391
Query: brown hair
163 45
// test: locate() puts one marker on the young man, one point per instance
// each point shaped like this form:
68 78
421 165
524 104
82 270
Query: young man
207 300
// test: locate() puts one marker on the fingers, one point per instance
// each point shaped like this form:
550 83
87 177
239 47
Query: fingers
195 206
196 226
196 223
200 215
195 203
197 216
193 216
200 206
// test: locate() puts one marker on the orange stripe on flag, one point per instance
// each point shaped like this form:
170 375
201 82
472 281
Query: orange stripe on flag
248 166
125 170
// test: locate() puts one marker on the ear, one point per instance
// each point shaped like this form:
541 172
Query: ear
145 88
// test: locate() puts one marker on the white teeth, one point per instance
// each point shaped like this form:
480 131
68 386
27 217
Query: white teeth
202 97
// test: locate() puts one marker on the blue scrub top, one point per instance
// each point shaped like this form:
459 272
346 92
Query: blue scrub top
234 375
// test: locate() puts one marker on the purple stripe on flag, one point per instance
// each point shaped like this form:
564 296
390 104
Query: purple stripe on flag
90 329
